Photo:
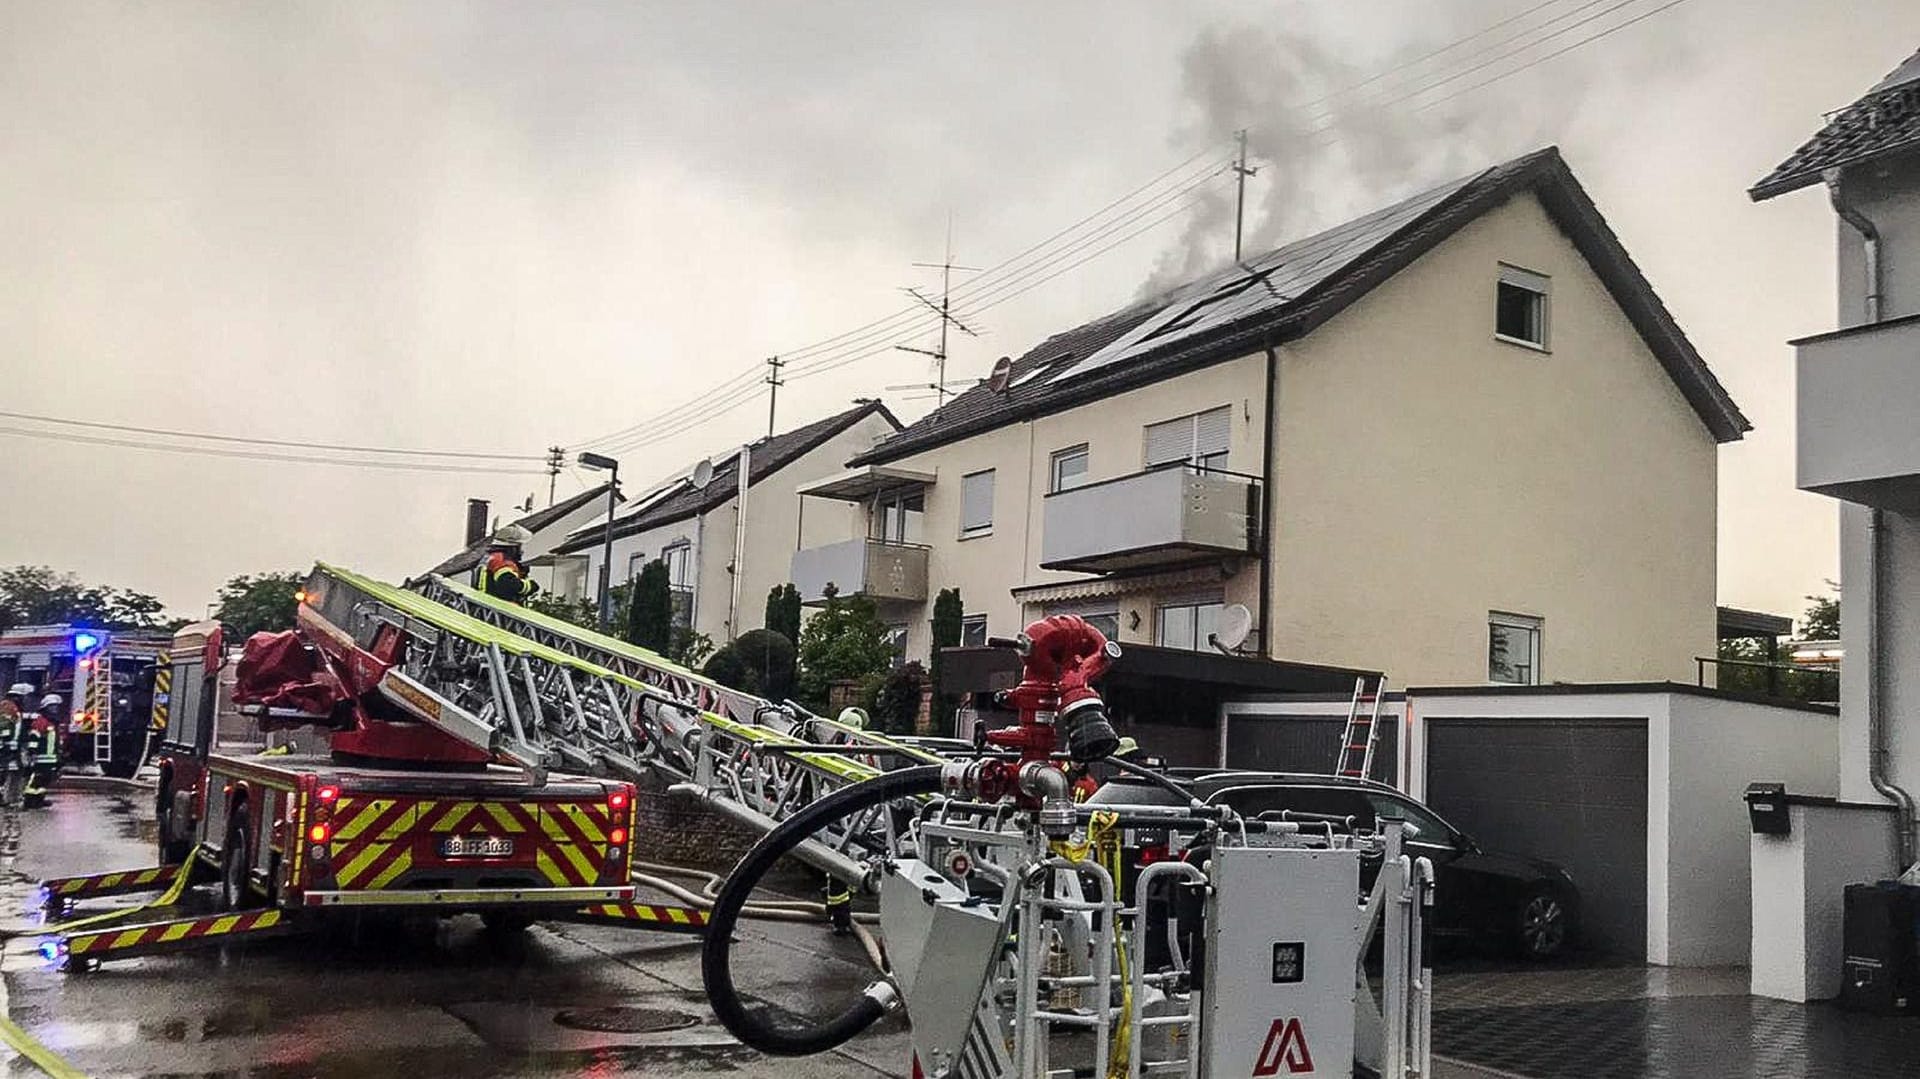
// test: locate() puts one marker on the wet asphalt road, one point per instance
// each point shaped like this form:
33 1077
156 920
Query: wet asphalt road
417 1001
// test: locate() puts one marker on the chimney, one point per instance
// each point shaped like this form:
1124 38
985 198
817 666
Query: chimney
476 520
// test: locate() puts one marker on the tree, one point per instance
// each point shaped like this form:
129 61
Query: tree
1821 622
896 701
844 641
948 612
650 614
258 602
581 611
760 662
783 611
40 595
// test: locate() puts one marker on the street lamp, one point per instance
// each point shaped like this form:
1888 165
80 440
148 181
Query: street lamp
601 463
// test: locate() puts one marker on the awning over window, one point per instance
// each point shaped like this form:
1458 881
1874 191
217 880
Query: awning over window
863 483
1102 587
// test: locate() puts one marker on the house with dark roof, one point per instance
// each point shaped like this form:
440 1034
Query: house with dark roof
724 553
1856 404
1457 439
548 527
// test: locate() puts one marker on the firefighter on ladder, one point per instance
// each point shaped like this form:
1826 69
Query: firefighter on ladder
500 574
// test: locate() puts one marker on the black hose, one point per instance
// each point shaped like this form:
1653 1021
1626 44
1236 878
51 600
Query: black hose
1179 791
758 1028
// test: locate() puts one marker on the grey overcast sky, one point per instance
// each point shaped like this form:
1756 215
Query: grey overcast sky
499 226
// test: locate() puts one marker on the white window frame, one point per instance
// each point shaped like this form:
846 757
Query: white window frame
973 622
1092 611
635 562
683 550
982 528
1186 603
1194 458
1057 483
1536 630
892 506
1541 286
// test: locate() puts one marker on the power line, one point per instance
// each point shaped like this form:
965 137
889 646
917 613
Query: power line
912 319
1608 32
258 455
292 443
1423 58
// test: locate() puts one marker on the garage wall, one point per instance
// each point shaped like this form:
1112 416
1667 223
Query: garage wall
1304 736
1715 748
1569 790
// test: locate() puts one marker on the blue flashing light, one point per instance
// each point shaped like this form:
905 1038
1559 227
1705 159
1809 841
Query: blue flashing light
50 950
84 642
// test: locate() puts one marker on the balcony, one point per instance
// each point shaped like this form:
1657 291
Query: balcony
1859 391
876 569
1161 517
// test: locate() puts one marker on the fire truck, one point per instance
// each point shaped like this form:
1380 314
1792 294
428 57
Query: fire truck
335 781
107 679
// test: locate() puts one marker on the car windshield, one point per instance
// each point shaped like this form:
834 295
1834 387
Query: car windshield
1431 828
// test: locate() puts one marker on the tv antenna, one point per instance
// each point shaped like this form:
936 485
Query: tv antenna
944 308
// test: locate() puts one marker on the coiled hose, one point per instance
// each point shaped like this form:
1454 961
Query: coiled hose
758 1028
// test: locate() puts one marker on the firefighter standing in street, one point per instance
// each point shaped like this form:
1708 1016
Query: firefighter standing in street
500 574
15 713
42 750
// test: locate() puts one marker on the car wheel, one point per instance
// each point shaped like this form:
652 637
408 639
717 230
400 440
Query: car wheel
234 891
1543 925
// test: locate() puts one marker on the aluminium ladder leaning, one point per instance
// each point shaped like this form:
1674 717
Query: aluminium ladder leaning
1362 733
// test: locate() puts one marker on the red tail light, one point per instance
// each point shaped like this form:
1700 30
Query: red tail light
319 833
617 800
327 793
617 837
1150 855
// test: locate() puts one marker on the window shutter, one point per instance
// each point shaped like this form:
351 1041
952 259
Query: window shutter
1212 430
976 501
1169 442
1526 279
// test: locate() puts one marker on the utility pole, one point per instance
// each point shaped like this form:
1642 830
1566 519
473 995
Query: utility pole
556 460
1240 173
945 310
774 382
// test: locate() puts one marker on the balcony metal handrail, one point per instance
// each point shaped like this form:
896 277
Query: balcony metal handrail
884 543
1819 677
1189 466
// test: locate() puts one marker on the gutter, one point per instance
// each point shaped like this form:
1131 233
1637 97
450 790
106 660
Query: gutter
1876 684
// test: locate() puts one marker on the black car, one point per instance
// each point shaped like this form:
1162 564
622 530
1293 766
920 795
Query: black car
1524 903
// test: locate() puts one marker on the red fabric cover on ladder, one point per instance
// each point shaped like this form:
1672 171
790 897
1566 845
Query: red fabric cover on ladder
278 670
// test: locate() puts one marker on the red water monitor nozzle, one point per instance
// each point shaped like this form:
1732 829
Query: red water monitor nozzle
1062 656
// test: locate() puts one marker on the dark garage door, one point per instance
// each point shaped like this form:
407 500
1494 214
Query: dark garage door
1305 743
1573 791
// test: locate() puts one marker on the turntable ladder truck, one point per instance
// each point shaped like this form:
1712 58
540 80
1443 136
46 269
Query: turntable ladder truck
378 821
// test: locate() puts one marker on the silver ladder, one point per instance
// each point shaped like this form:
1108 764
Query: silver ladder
542 708
99 703
1362 733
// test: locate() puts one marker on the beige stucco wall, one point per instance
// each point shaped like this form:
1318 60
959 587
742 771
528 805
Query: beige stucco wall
987 568
1428 473
774 519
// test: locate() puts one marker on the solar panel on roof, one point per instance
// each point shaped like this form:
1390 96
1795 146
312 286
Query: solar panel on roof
1262 285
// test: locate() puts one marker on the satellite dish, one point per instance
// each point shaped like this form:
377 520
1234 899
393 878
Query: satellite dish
1236 622
702 474
1002 374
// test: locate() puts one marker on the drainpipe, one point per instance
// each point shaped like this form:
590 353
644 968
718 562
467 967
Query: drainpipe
1266 497
1876 687
1869 236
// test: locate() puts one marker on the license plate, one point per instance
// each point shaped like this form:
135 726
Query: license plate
476 846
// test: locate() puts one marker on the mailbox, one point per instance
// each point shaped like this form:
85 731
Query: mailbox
1767 809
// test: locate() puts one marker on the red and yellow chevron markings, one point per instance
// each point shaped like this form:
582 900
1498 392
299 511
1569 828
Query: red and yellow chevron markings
63 889
156 936
375 840
644 916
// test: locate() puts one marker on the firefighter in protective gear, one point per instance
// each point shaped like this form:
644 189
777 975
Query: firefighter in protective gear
15 713
43 749
500 574
853 717
839 906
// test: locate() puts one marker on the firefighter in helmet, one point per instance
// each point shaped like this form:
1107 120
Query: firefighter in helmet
15 713
500 574
43 749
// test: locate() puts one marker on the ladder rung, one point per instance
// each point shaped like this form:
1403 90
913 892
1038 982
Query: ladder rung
1362 745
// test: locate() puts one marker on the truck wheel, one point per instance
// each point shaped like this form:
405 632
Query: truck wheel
235 894
173 850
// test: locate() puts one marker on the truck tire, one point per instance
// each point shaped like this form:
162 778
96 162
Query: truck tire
235 891
173 850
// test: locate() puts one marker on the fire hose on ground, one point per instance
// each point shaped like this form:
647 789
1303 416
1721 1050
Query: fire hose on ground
759 1028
